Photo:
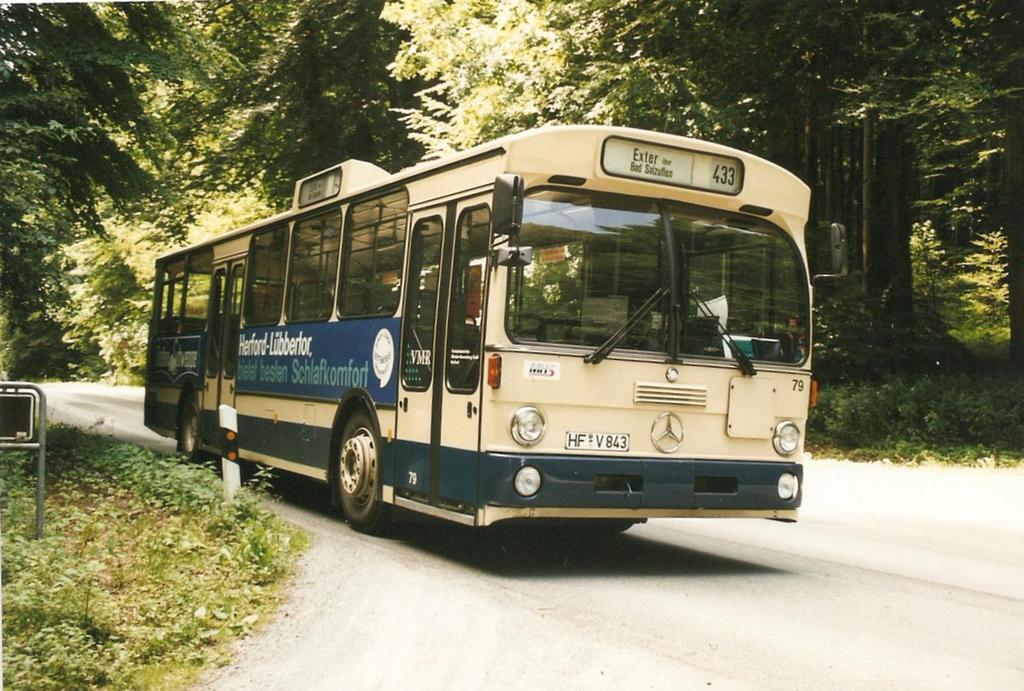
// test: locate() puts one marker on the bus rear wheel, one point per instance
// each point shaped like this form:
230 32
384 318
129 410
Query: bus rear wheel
357 474
188 429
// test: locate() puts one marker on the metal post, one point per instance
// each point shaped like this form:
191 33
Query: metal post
14 387
230 471
1 615
41 466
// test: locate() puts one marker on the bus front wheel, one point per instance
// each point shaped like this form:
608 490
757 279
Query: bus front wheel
357 475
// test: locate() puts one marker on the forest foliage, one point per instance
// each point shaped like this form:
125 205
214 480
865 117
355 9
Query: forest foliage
130 129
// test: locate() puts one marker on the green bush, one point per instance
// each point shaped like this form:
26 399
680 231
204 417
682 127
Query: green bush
961 409
855 342
144 569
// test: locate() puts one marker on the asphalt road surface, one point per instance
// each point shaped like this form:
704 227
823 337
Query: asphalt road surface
893 578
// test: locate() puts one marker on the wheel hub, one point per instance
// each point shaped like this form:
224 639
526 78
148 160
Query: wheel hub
358 466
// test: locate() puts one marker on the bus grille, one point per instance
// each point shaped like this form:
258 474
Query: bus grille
669 394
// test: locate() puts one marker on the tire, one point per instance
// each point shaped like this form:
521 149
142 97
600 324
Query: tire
357 476
188 429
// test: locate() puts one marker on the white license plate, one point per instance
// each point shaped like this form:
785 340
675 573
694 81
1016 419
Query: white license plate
596 441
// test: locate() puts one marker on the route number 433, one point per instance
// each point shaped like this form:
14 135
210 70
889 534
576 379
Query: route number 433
724 175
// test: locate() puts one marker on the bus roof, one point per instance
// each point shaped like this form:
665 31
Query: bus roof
572 151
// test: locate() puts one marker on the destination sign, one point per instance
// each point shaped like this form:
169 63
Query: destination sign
672 166
319 187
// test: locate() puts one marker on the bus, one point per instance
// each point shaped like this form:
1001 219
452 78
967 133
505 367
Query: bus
577 323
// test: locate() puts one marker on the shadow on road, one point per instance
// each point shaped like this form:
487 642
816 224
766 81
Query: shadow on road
556 551
295 489
532 551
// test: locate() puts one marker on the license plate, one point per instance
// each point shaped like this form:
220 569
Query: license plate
596 441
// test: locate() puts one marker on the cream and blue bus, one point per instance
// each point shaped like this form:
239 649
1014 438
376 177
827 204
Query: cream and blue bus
574 323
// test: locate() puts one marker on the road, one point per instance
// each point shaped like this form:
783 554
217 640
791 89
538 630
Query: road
893 578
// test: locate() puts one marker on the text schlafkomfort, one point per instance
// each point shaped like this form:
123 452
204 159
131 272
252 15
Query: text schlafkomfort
303 369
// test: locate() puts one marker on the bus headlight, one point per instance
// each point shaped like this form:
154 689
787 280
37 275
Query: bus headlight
527 425
787 438
527 481
789 485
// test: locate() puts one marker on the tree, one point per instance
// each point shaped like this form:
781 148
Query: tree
883 107
130 126
297 87
493 68
1007 29
71 114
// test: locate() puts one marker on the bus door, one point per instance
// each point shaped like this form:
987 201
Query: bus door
458 435
416 384
222 354
439 397
214 351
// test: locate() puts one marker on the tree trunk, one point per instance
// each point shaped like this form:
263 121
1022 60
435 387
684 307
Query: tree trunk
1014 225
867 168
849 186
1011 79
831 166
887 191
894 185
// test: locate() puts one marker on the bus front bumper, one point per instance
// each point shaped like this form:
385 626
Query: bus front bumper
635 488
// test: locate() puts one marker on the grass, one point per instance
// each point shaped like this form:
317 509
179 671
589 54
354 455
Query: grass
953 419
144 573
916 453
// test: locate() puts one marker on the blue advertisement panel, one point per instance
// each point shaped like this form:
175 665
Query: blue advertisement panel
176 359
321 360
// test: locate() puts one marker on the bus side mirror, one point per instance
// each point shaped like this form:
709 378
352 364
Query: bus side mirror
507 206
840 255
838 252
514 256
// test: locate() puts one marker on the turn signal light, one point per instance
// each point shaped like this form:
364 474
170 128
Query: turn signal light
494 371
814 393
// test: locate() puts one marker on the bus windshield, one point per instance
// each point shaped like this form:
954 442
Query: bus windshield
599 257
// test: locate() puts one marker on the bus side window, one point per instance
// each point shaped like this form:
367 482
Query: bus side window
234 315
421 305
197 291
171 284
213 346
315 244
265 280
371 276
465 317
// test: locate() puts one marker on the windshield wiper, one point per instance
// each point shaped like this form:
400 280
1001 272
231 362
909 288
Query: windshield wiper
608 346
742 359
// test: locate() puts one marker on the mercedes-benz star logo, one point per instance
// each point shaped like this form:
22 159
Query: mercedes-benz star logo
667 432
